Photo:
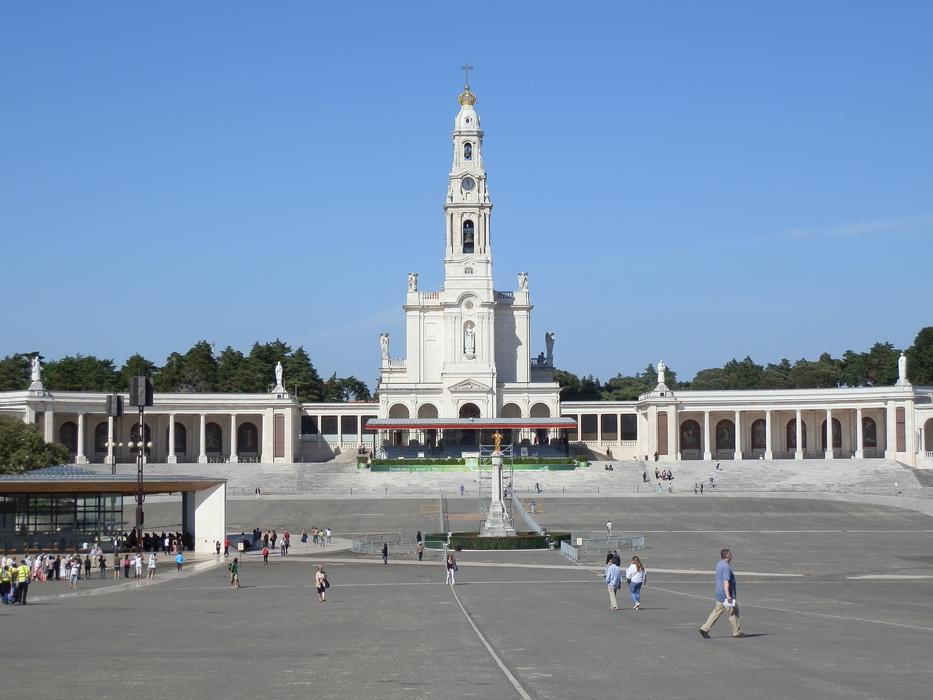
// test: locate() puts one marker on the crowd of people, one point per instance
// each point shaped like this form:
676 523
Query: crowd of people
166 542
71 568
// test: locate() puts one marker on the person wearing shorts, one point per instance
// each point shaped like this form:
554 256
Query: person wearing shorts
320 583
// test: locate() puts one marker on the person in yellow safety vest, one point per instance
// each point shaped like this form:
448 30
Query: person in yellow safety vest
22 587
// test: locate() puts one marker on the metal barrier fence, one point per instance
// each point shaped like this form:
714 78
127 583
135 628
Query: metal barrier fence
517 503
568 551
591 543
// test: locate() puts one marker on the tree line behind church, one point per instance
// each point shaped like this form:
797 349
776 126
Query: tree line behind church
875 367
199 370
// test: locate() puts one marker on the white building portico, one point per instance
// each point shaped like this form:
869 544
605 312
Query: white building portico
467 355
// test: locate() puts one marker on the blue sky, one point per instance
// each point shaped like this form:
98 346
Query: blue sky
692 181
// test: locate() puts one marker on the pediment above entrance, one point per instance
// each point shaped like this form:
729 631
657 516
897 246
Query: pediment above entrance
470 385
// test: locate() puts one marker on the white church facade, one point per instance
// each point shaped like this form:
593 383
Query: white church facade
469 362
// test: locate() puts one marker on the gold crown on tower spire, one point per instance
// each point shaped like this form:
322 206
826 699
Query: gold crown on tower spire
466 97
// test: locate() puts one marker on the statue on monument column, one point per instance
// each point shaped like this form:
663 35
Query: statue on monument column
522 280
549 344
469 340
36 374
412 281
662 368
278 376
497 441
384 346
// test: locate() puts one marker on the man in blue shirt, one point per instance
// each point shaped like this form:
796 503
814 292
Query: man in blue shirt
725 597
613 582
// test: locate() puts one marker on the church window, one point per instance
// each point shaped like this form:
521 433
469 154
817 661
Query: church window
468 246
468 151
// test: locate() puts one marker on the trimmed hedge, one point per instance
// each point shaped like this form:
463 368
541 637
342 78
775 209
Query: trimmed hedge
417 461
521 540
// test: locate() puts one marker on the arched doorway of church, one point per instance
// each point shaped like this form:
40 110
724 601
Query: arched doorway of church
428 410
540 410
725 436
469 438
512 437
399 437
837 434
68 436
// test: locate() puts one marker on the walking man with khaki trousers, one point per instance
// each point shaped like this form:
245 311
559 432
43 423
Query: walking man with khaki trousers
613 581
725 597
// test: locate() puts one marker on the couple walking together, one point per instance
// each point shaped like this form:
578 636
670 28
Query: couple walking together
635 577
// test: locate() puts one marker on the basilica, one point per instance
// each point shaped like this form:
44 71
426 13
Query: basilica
468 369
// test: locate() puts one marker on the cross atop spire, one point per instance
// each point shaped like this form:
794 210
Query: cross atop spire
466 68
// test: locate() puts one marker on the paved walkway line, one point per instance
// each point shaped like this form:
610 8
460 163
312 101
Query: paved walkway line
502 667
890 577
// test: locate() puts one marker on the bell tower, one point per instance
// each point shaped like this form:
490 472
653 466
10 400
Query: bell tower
467 209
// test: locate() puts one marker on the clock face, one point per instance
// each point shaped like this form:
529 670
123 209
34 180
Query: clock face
468 183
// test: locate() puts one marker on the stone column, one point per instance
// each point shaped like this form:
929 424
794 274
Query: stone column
890 431
599 428
798 451
109 459
49 427
673 433
769 454
619 428
859 439
171 458
707 453
359 431
267 445
202 447
738 435
80 458
829 433
233 456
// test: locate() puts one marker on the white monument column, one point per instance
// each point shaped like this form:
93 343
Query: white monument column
109 459
233 456
859 438
738 435
829 433
769 454
171 458
80 458
497 523
798 451
202 447
707 453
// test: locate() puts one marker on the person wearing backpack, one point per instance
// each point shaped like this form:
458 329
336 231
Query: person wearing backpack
321 583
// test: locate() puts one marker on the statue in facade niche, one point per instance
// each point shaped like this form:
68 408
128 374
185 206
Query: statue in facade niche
384 345
523 280
412 281
469 341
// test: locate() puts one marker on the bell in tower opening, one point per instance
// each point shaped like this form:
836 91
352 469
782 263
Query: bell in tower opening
468 236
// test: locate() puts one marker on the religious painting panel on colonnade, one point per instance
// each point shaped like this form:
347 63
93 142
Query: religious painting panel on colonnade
759 434
725 435
68 435
181 439
100 438
690 435
247 439
791 431
213 439
837 434
869 432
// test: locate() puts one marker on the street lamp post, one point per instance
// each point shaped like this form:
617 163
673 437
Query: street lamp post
140 396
